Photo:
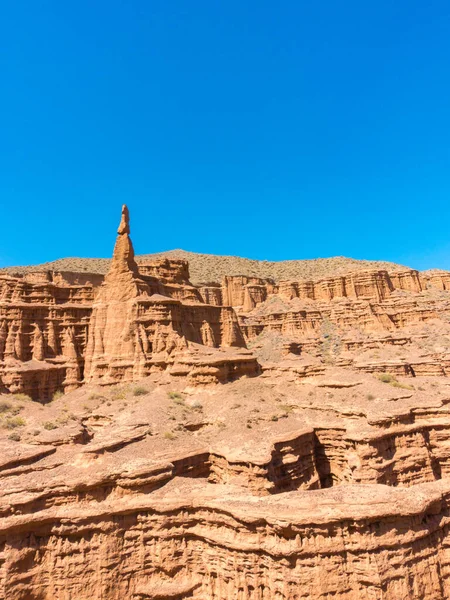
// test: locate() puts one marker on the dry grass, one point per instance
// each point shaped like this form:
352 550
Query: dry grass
49 425
140 391
391 380
211 268
14 422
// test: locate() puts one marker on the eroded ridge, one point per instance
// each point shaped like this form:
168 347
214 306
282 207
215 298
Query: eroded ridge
249 438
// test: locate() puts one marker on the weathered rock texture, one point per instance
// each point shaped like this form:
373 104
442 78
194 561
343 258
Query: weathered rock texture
319 468
58 330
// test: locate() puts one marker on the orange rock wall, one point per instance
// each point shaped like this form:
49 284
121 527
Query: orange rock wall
122 554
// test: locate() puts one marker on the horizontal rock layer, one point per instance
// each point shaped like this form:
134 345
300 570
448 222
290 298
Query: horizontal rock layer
324 476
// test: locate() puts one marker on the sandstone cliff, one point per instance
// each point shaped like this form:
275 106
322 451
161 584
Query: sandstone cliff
251 438
58 330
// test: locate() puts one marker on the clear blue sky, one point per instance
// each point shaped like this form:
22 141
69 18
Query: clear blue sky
264 129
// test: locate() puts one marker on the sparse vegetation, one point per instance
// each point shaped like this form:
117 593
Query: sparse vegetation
169 435
49 425
386 377
22 397
5 407
331 344
175 395
405 386
14 422
15 437
391 380
140 391
118 393
95 396
287 408
211 268
179 401
57 395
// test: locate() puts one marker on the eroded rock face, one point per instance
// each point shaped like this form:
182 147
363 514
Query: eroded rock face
59 330
181 464
135 329
44 321
331 499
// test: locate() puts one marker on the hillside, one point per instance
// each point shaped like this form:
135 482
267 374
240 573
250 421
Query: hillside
211 267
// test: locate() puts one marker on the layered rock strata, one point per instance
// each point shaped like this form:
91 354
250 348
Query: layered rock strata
135 330
318 468
350 501
58 330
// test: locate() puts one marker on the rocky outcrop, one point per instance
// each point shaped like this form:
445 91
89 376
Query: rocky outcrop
140 323
198 541
43 331
325 475
235 290
60 329
308 518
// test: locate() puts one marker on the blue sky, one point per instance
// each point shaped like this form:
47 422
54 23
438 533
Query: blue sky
271 130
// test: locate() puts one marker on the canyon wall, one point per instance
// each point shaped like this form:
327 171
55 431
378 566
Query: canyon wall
313 464
58 330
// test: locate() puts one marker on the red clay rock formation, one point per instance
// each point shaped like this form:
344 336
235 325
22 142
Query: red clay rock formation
140 324
326 476
37 314
58 330
333 499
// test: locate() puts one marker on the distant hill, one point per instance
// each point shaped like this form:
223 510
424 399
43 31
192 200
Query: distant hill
211 268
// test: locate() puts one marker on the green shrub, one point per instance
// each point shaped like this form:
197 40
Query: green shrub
57 395
175 396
